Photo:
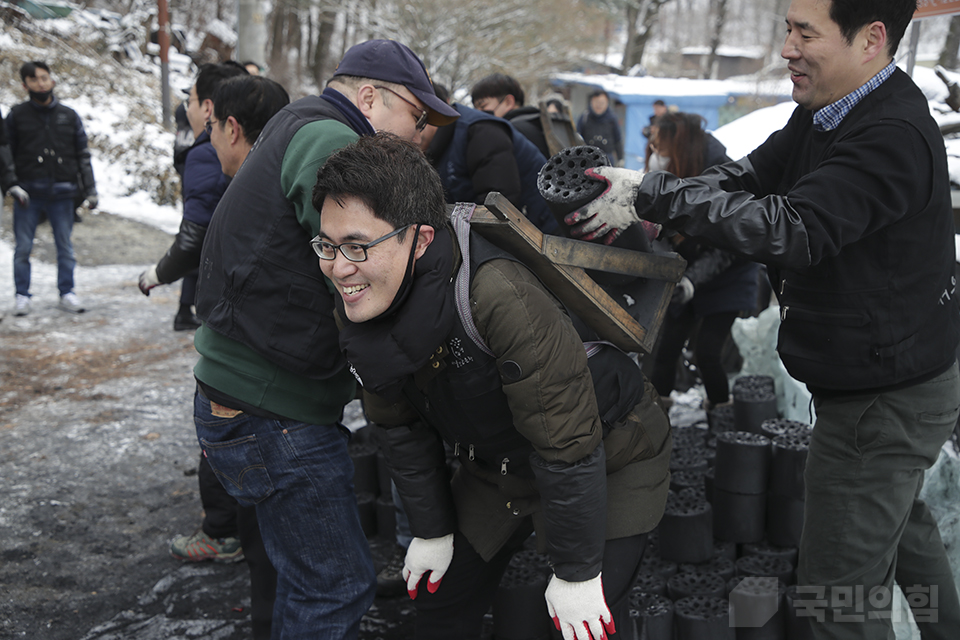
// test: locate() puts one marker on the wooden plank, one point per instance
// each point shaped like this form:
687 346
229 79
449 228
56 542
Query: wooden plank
587 255
500 223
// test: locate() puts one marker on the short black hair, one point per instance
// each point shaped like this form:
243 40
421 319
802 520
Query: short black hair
388 174
598 92
251 100
29 69
442 92
853 15
211 75
499 86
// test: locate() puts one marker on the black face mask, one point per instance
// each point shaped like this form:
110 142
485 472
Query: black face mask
41 96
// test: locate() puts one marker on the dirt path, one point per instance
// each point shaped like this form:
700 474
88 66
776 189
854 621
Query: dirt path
98 458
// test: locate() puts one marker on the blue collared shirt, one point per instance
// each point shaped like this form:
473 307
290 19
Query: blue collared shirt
829 117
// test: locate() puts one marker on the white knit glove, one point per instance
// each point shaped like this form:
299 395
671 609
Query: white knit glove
18 194
148 280
427 555
683 292
607 215
579 609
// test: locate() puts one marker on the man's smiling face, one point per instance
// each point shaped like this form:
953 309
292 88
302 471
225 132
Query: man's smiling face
369 287
823 66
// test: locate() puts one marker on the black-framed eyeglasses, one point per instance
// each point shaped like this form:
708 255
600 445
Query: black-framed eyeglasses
208 127
352 251
421 120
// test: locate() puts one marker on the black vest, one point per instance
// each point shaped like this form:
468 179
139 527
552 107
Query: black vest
259 282
46 143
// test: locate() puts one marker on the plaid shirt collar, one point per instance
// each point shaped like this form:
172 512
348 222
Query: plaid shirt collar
830 117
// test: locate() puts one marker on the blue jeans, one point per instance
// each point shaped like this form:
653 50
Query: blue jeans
300 478
25 219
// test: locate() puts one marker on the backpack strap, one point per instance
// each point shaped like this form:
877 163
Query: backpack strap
460 218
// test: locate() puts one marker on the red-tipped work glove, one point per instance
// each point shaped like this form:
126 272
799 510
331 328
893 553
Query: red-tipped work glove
612 211
18 194
424 556
148 280
579 609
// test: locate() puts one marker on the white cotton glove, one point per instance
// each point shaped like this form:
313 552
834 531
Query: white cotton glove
18 194
683 292
612 211
579 609
431 555
148 280
91 201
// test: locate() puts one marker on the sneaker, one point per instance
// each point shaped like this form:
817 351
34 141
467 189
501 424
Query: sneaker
71 303
200 547
186 320
390 582
23 305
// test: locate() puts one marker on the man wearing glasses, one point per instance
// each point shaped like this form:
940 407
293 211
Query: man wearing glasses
457 343
203 184
271 381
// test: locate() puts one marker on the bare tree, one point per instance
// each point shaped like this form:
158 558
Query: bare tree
718 11
641 18
951 46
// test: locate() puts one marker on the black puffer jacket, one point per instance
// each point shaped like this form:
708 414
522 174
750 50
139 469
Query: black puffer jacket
525 424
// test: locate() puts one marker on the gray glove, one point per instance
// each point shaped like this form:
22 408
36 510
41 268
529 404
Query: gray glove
19 195
612 211
683 292
92 201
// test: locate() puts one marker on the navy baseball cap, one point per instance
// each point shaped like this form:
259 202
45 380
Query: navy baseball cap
391 61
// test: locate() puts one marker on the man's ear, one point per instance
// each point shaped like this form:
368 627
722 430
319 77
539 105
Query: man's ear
875 40
367 96
424 239
206 107
510 102
235 133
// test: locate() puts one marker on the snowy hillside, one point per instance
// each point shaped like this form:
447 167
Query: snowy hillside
120 107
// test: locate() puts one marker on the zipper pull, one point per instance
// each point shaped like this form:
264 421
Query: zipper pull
783 313
456 449
503 466
471 452
783 284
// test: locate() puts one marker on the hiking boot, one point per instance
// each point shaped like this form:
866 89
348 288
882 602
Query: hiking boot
390 582
70 303
185 320
23 305
200 547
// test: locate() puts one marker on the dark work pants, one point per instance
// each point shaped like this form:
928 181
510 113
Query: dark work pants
864 524
456 610
188 288
714 330
219 507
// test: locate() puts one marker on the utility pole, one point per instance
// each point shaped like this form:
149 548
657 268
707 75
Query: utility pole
251 31
163 39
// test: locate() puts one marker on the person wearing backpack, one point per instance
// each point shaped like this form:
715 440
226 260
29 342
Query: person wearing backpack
454 341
